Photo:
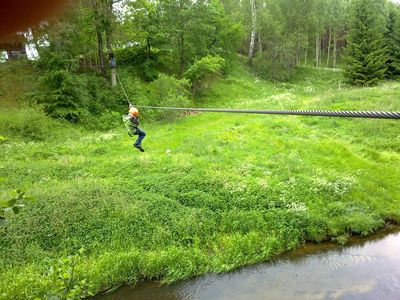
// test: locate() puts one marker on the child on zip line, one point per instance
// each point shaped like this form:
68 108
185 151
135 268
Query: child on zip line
131 121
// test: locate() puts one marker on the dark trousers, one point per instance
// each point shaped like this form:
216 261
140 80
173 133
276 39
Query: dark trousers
141 135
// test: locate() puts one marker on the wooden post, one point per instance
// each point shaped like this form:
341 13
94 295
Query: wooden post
113 66
113 77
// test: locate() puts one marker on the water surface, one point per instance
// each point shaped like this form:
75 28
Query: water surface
367 269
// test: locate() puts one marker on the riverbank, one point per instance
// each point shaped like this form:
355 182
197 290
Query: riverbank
366 268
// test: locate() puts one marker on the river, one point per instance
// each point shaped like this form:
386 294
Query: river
367 268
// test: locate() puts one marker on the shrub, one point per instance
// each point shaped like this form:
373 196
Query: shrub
102 122
63 95
11 201
63 281
268 67
167 91
101 96
203 72
146 67
27 124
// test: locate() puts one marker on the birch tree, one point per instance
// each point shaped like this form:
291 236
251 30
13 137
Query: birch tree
253 31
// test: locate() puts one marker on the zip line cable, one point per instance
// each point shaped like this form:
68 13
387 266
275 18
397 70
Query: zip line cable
318 113
123 89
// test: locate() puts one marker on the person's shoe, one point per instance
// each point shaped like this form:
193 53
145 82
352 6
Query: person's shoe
139 147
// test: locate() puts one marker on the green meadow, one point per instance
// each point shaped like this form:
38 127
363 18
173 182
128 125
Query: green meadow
212 192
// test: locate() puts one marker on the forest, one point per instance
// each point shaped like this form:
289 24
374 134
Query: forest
83 212
192 44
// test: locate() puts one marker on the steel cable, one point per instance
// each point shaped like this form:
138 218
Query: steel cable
319 113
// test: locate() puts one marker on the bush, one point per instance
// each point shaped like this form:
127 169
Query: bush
101 96
203 72
63 95
76 98
104 105
27 123
271 68
61 92
102 122
11 201
135 56
167 91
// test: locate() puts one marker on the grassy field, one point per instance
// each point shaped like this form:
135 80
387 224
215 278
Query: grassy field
211 193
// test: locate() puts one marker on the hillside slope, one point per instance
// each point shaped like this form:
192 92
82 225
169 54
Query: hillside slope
16 79
211 193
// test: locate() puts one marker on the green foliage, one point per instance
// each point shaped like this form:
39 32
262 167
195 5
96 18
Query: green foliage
366 53
146 65
272 69
66 95
197 30
28 124
392 39
11 201
65 92
167 91
102 122
203 72
352 218
63 282
63 95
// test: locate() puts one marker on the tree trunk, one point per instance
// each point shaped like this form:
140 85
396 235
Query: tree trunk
298 50
108 40
181 43
260 46
317 51
329 47
100 50
306 52
181 53
108 28
253 31
306 56
334 49
113 77
99 36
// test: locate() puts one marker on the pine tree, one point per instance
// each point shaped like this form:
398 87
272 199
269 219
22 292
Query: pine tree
393 43
365 52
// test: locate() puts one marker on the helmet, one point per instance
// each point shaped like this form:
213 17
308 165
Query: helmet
133 111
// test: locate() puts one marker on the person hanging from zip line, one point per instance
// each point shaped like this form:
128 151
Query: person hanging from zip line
131 121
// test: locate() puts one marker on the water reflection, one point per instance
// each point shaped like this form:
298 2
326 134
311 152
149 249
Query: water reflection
367 269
